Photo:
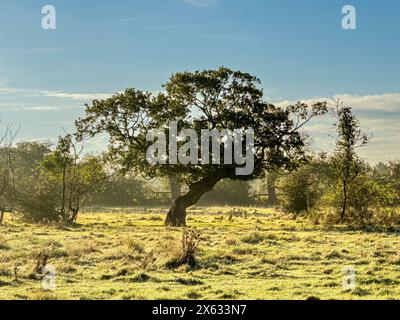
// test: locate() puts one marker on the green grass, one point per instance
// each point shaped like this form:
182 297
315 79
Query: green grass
243 254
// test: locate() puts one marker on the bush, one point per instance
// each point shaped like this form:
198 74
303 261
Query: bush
300 191
39 207
314 189
386 218
190 242
368 204
364 196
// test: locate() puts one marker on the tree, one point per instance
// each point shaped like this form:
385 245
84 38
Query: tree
7 173
62 181
27 156
212 99
346 163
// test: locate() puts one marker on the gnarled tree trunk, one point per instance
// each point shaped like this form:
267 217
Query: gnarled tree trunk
176 216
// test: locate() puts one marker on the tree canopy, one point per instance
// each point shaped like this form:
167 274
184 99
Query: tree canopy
212 99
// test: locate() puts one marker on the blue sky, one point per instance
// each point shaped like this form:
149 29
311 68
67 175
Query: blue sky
297 48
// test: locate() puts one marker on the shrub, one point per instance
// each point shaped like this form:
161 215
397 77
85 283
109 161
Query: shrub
38 205
386 218
363 196
368 204
300 191
365 199
148 260
323 214
190 242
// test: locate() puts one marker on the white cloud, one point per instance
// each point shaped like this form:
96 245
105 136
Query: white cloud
201 3
388 102
76 96
53 94
18 107
42 108
8 90
385 102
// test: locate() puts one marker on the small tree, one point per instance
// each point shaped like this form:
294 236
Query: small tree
64 178
346 163
7 173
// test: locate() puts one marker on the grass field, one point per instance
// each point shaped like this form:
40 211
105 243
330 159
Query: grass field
243 254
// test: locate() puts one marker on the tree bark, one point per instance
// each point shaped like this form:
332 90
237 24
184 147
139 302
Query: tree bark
176 216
